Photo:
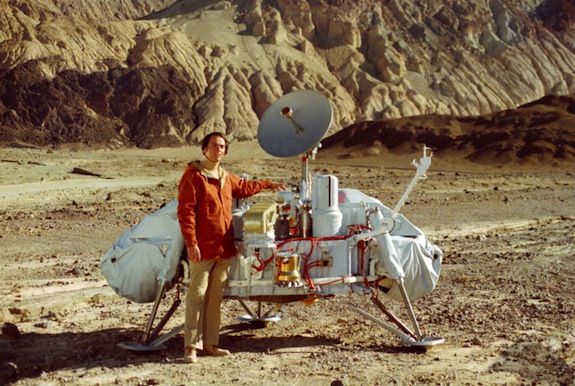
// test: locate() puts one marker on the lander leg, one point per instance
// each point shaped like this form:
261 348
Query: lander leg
258 318
388 257
151 340
407 336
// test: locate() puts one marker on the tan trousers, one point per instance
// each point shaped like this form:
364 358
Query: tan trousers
208 279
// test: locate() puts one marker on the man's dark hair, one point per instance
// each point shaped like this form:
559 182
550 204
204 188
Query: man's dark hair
206 140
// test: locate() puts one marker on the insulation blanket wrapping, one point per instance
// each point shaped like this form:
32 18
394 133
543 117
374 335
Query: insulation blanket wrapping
421 264
405 253
145 255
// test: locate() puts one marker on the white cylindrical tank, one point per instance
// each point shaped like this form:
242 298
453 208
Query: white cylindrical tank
326 216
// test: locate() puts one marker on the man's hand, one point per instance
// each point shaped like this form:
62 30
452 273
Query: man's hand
278 186
194 255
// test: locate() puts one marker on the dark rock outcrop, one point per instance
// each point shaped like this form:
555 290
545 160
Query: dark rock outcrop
147 107
542 131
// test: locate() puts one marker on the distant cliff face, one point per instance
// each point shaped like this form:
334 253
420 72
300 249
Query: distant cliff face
163 72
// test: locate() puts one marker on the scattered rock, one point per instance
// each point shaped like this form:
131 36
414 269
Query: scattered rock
372 151
10 331
84 172
76 271
9 369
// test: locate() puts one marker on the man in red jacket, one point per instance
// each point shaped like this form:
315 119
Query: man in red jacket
205 216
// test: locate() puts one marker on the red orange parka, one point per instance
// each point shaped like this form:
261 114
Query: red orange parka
205 209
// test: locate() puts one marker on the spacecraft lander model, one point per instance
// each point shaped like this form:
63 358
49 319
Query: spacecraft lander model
313 241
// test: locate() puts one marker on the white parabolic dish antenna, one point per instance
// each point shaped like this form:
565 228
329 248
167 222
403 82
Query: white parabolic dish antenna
295 123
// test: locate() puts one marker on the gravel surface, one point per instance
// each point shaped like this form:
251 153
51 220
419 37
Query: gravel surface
505 302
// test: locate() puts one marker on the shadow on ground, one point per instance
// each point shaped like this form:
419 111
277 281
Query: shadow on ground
33 353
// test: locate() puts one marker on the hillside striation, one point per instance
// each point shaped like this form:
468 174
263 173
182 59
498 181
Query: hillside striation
163 73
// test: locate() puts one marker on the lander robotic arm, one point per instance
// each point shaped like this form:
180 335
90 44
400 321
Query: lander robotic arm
385 225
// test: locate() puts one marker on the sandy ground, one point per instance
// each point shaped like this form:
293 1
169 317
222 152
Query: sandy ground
505 303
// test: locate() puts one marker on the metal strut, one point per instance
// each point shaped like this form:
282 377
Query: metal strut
159 295
151 340
259 316
391 316
409 308
407 336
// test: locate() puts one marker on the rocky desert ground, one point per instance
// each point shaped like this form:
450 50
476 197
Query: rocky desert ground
488 85
505 303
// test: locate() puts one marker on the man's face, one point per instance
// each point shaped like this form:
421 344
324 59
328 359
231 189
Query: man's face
216 149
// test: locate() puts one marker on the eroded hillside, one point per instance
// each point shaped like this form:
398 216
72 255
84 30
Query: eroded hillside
158 72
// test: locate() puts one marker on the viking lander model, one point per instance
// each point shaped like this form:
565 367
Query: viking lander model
313 241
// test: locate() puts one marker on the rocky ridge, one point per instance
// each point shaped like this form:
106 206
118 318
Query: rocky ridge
540 132
163 73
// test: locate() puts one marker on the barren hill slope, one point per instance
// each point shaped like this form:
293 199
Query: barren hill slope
164 72
542 131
